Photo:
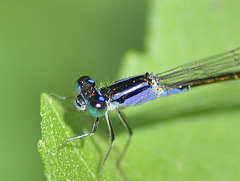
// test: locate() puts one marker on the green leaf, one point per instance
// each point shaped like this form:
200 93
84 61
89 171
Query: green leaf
193 135
78 160
189 136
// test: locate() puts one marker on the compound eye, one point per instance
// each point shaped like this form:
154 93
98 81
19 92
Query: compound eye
97 107
83 83
78 87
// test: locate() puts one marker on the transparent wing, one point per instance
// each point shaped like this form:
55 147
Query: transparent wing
228 62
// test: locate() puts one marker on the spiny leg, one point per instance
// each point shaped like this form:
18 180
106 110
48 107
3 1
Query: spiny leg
112 142
94 129
62 98
126 125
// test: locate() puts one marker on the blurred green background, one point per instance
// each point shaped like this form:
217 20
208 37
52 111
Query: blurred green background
45 45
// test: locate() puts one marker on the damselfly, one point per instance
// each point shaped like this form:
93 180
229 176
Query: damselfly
141 89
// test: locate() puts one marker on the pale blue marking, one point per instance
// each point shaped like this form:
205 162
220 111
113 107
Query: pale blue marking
173 91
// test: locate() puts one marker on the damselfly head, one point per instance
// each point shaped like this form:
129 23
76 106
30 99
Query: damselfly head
89 98
84 87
